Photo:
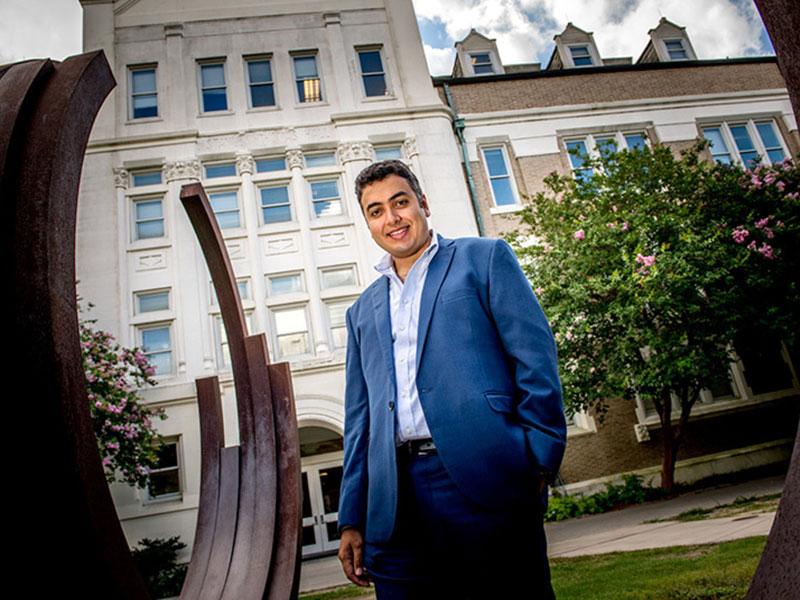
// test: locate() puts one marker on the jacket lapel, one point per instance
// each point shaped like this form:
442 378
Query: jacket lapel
383 325
433 281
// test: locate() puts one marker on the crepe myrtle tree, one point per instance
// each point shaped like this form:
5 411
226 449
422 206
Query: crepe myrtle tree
126 438
652 268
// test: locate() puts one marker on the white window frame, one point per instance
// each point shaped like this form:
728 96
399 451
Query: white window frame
272 183
340 198
724 126
667 41
276 337
221 339
295 79
336 268
147 499
589 52
209 62
268 284
239 211
385 72
339 300
138 295
496 208
212 291
140 343
131 94
249 84
590 142
137 172
219 163
134 200
488 53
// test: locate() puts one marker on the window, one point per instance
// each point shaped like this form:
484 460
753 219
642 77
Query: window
676 50
164 481
389 152
325 197
157 347
499 176
336 321
323 159
338 277
148 219
275 204
141 178
581 57
212 86
243 285
267 165
259 80
748 142
306 75
144 94
285 283
223 349
600 144
291 331
152 301
481 63
226 208
220 170
372 73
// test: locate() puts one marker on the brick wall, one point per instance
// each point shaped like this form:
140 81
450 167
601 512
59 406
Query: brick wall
598 86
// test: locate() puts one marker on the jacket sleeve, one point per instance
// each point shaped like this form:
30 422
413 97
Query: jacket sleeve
528 342
353 496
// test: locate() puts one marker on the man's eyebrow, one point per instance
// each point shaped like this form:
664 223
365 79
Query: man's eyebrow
395 195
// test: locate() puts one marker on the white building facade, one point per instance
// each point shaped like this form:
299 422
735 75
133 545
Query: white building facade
275 108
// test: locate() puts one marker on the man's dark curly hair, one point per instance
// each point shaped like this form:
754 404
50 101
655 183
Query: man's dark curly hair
381 170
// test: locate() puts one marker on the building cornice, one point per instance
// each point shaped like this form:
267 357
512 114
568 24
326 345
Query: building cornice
391 114
141 141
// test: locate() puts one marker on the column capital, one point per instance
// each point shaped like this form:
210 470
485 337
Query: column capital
350 151
410 146
295 159
245 164
182 169
122 178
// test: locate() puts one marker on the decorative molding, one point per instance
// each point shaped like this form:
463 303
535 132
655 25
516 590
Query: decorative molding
173 30
287 245
235 250
122 178
182 169
295 159
410 147
151 262
642 432
332 239
332 18
245 164
355 151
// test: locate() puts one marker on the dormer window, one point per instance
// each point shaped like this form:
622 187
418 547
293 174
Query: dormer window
676 50
481 63
581 57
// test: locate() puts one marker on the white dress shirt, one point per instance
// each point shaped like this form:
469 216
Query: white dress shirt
404 303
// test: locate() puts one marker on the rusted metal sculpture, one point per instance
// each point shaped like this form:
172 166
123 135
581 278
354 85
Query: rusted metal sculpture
247 542
70 538
248 530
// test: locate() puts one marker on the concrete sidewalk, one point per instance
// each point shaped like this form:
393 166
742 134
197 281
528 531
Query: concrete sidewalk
620 530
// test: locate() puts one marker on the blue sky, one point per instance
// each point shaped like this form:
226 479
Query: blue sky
523 29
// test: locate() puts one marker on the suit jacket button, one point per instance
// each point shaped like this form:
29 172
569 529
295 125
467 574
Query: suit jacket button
391 406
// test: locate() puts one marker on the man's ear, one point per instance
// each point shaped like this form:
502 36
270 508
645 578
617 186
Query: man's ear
423 202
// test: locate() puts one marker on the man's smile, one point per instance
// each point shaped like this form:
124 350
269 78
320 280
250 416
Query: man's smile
399 234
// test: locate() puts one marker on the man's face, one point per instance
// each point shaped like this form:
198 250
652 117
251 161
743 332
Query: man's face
397 221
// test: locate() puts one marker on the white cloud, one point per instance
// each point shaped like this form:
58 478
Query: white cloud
524 29
39 29
440 60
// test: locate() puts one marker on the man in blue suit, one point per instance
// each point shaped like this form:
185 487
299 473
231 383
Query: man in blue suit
454 422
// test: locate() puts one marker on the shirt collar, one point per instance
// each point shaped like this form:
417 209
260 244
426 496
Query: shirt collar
385 266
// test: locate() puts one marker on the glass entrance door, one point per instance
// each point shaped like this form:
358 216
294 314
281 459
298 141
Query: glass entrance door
321 484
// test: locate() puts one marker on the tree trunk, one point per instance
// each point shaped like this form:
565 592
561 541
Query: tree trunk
669 445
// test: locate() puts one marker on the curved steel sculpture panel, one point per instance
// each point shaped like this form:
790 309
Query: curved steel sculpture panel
46 114
252 549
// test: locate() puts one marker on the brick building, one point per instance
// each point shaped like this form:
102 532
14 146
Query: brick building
517 123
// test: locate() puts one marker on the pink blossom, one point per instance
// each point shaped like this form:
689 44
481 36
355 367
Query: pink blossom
611 225
150 371
768 232
98 404
740 234
107 461
112 445
614 207
624 226
569 335
793 196
647 261
751 245
579 235
781 186
766 251
779 224
539 291
761 223
769 178
757 183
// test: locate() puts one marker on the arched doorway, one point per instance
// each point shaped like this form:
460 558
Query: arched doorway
321 452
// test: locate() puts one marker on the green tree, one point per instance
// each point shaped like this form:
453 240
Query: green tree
651 267
126 438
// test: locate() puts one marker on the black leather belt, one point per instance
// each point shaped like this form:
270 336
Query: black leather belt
420 447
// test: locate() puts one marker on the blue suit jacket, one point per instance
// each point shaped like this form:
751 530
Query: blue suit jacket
487 378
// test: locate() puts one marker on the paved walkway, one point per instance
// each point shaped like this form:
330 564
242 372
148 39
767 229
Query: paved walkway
620 530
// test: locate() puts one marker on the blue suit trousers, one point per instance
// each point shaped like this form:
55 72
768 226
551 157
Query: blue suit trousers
444 545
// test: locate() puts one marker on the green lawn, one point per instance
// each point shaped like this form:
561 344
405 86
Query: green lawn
705 572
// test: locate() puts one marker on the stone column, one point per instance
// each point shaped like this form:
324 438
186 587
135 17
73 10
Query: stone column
354 156
121 184
341 57
246 166
175 92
